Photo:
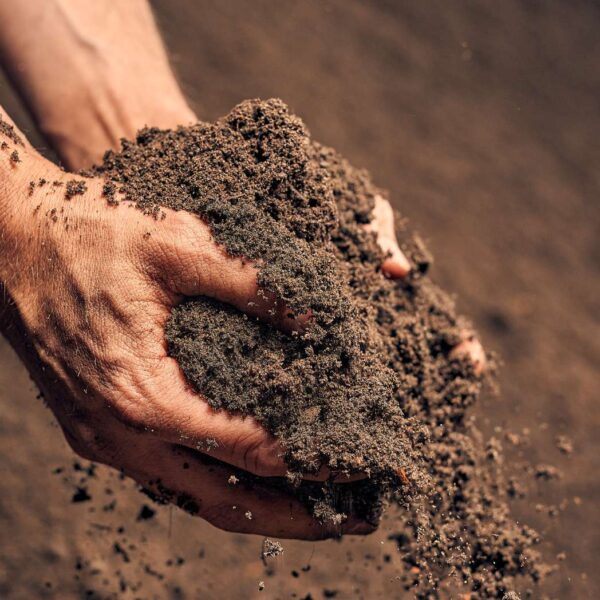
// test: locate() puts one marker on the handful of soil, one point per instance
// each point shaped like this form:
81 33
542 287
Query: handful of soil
368 385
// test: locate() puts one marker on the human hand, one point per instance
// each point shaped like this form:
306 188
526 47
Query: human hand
89 288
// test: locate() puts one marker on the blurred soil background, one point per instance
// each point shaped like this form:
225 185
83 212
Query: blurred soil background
482 119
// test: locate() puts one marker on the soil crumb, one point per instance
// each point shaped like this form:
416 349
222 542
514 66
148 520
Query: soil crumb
75 188
8 130
109 192
369 384
270 549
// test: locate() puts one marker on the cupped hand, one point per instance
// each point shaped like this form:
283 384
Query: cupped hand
89 287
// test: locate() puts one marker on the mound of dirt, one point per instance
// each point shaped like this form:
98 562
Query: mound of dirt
368 385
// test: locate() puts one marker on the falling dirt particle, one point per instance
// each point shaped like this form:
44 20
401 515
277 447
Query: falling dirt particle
146 513
261 586
513 438
564 444
81 495
546 472
270 549
119 550
248 515
233 480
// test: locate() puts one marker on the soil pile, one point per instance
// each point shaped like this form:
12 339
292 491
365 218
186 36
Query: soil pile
369 384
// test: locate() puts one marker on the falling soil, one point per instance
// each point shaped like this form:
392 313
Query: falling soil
369 384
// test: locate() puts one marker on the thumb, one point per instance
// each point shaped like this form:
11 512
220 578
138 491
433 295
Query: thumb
188 262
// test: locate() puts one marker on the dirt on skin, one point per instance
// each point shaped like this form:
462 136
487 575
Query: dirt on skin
6 129
368 385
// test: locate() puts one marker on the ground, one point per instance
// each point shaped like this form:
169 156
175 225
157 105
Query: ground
482 120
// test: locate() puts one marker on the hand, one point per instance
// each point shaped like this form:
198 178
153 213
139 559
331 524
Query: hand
90 287
397 266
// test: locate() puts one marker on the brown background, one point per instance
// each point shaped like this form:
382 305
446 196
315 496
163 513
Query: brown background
482 119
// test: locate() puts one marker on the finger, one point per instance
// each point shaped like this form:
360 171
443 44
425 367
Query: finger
471 348
396 264
160 401
203 488
190 263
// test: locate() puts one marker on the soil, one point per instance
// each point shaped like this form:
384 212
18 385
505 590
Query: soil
478 140
6 129
74 187
271 195
368 385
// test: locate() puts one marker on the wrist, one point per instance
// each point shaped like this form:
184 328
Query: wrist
94 119
91 72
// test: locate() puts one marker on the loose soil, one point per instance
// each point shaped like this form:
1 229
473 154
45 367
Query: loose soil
368 384
482 121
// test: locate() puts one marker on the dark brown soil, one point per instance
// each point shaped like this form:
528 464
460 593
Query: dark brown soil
482 119
74 187
8 130
270 195
368 384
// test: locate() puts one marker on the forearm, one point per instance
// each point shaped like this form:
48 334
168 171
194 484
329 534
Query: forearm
90 72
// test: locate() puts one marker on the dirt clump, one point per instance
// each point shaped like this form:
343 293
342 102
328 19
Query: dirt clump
369 385
74 188
9 131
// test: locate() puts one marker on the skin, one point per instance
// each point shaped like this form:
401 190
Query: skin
87 287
